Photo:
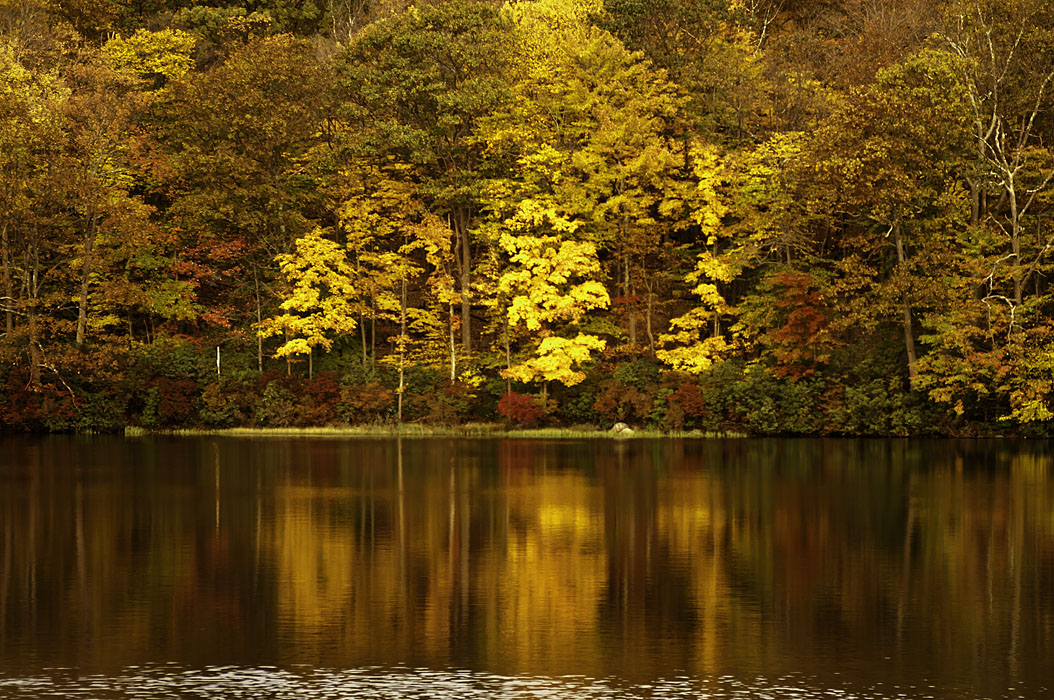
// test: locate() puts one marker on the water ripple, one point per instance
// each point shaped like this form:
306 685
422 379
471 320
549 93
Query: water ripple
271 683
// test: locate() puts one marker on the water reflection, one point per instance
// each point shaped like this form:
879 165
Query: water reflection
876 568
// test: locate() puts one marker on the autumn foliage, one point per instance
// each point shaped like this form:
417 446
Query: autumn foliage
726 217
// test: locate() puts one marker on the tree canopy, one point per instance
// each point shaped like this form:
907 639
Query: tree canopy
681 214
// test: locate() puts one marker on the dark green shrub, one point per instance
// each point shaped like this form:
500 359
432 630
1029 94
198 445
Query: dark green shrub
447 404
278 407
218 408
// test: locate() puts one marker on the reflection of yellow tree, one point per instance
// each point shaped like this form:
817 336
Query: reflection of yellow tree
550 577
343 590
692 525
314 567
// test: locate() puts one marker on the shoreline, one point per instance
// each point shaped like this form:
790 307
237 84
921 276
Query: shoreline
482 430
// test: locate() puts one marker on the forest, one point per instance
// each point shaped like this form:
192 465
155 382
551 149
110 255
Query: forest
797 217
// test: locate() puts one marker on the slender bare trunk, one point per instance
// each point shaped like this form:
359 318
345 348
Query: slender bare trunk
647 323
402 347
9 295
975 201
453 347
33 293
35 357
362 317
362 333
373 337
905 305
465 270
508 355
259 319
631 313
310 363
1015 243
82 302
288 360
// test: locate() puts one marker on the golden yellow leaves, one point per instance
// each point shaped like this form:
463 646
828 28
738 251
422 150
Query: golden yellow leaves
552 281
165 53
323 300
556 359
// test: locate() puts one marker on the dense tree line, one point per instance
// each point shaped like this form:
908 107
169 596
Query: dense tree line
752 215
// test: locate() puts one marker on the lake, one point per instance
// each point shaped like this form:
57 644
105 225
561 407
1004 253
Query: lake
224 567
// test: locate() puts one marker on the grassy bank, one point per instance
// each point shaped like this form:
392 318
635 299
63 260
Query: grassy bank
411 430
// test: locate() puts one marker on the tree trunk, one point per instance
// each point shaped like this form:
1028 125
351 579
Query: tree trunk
909 336
402 347
33 293
465 270
288 360
82 303
631 313
647 323
259 319
35 358
1015 242
362 333
508 355
975 201
453 347
9 294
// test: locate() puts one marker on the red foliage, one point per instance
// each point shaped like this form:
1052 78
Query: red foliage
22 408
364 403
689 399
292 383
617 401
178 399
520 409
323 391
802 342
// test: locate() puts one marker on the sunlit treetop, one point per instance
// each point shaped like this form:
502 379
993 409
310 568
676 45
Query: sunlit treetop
161 56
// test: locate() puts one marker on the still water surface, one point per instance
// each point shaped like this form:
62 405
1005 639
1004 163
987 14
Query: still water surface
326 568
